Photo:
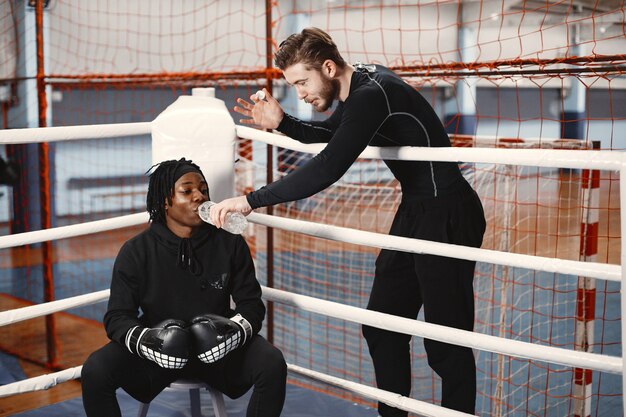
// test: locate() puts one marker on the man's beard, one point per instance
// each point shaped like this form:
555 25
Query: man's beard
328 94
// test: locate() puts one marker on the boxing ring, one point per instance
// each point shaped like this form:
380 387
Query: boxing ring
584 160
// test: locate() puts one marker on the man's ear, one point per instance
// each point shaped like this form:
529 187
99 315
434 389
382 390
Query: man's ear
329 68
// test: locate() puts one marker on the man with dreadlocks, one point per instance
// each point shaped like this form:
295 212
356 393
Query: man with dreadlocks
169 313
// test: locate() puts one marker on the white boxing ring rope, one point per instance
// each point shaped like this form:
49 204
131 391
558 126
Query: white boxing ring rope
66 133
379 240
346 235
533 157
561 158
74 230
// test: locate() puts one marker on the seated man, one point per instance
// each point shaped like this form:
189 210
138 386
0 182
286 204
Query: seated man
180 274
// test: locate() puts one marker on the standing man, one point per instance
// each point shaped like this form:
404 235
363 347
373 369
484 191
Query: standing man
378 108
169 314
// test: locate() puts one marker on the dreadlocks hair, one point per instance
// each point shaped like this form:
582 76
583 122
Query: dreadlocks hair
161 186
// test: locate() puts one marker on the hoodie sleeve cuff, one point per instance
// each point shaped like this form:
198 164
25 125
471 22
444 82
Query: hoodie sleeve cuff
244 324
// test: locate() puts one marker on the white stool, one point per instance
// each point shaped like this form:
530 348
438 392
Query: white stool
193 386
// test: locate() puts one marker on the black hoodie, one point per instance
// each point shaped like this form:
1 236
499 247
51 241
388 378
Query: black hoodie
159 276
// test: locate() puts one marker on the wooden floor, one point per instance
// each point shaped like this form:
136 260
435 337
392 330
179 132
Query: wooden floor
27 336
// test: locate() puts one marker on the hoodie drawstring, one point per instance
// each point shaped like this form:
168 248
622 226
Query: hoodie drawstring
185 257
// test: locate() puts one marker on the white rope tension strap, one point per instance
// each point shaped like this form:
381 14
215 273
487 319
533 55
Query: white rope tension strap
41 382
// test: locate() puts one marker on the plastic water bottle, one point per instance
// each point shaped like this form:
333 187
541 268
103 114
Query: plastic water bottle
236 223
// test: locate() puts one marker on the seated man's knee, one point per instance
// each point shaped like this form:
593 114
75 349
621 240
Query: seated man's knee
275 363
95 370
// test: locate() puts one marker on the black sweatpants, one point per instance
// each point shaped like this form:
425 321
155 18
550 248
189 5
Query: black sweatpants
257 364
404 282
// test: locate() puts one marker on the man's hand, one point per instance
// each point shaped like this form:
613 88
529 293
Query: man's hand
263 113
215 336
219 211
167 343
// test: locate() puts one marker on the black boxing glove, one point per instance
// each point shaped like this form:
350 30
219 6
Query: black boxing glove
215 336
167 343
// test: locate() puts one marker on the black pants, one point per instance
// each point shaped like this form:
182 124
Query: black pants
404 282
258 363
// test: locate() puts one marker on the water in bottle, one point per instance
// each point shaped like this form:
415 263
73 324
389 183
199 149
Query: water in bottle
236 222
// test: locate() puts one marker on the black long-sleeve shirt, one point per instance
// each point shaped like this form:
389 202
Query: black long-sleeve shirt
380 110
147 278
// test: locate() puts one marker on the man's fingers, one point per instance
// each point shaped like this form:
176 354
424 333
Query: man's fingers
220 222
243 111
215 215
218 219
270 99
245 104
240 110
247 121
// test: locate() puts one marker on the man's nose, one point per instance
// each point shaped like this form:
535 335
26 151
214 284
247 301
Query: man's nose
198 195
301 93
